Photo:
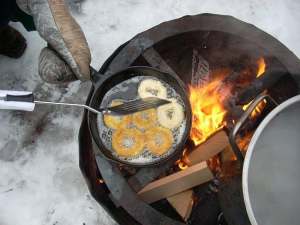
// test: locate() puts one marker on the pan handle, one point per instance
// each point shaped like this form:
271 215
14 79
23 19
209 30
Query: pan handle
232 136
95 75
17 100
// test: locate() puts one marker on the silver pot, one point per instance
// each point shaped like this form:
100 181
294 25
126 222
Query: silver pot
271 171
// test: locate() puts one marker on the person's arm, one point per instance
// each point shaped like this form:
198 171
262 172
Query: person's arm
67 56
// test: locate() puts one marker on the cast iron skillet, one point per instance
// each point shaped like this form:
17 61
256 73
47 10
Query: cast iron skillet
103 83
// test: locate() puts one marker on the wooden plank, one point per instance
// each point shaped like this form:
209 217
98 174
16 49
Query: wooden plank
176 183
214 145
148 174
183 203
227 155
211 147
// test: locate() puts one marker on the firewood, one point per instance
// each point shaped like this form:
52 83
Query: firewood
183 203
214 145
227 155
264 82
176 183
146 175
211 147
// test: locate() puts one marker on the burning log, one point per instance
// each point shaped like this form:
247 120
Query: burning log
211 147
284 89
264 82
176 183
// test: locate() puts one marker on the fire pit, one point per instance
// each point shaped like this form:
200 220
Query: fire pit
226 65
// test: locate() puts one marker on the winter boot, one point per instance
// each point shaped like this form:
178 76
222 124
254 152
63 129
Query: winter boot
12 43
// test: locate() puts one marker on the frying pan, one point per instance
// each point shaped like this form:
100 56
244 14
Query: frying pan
271 178
104 83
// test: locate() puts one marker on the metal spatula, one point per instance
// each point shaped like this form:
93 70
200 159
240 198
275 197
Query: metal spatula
136 106
18 100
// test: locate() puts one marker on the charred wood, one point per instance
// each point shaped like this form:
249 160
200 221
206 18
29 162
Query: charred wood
285 88
264 82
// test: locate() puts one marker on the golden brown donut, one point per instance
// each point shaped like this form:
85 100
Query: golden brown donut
117 121
170 115
152 87
145 119
158 140
128 142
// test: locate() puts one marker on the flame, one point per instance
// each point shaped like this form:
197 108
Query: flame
259 108
261 67
181 163
208 111
244 141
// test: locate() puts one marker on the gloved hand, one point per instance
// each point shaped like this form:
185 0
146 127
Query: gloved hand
67 56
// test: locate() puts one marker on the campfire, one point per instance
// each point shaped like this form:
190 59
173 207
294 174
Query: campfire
207 155
201 159
209 111
224 75
208 105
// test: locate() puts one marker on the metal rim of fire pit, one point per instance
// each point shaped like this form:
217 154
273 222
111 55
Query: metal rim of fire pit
202 22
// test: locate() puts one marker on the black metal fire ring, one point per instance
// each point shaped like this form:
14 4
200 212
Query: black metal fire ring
127 198
204 22
143 43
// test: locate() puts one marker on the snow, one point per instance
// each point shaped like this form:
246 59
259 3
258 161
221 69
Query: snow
41 183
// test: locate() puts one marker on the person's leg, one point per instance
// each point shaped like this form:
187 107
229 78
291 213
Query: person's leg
6 12
12 43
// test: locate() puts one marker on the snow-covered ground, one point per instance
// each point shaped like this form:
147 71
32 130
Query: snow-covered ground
40 181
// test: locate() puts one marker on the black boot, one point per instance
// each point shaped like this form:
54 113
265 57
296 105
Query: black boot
12 43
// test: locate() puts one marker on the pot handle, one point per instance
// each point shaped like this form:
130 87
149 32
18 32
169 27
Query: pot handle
242 120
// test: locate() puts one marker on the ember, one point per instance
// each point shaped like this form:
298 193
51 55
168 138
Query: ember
260 71
258 109
244 141
181 164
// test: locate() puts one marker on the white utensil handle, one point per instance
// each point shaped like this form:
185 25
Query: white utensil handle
17 100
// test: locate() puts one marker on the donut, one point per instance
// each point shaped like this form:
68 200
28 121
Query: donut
117 121
152 88
170 115
158 140
145 119
128 142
